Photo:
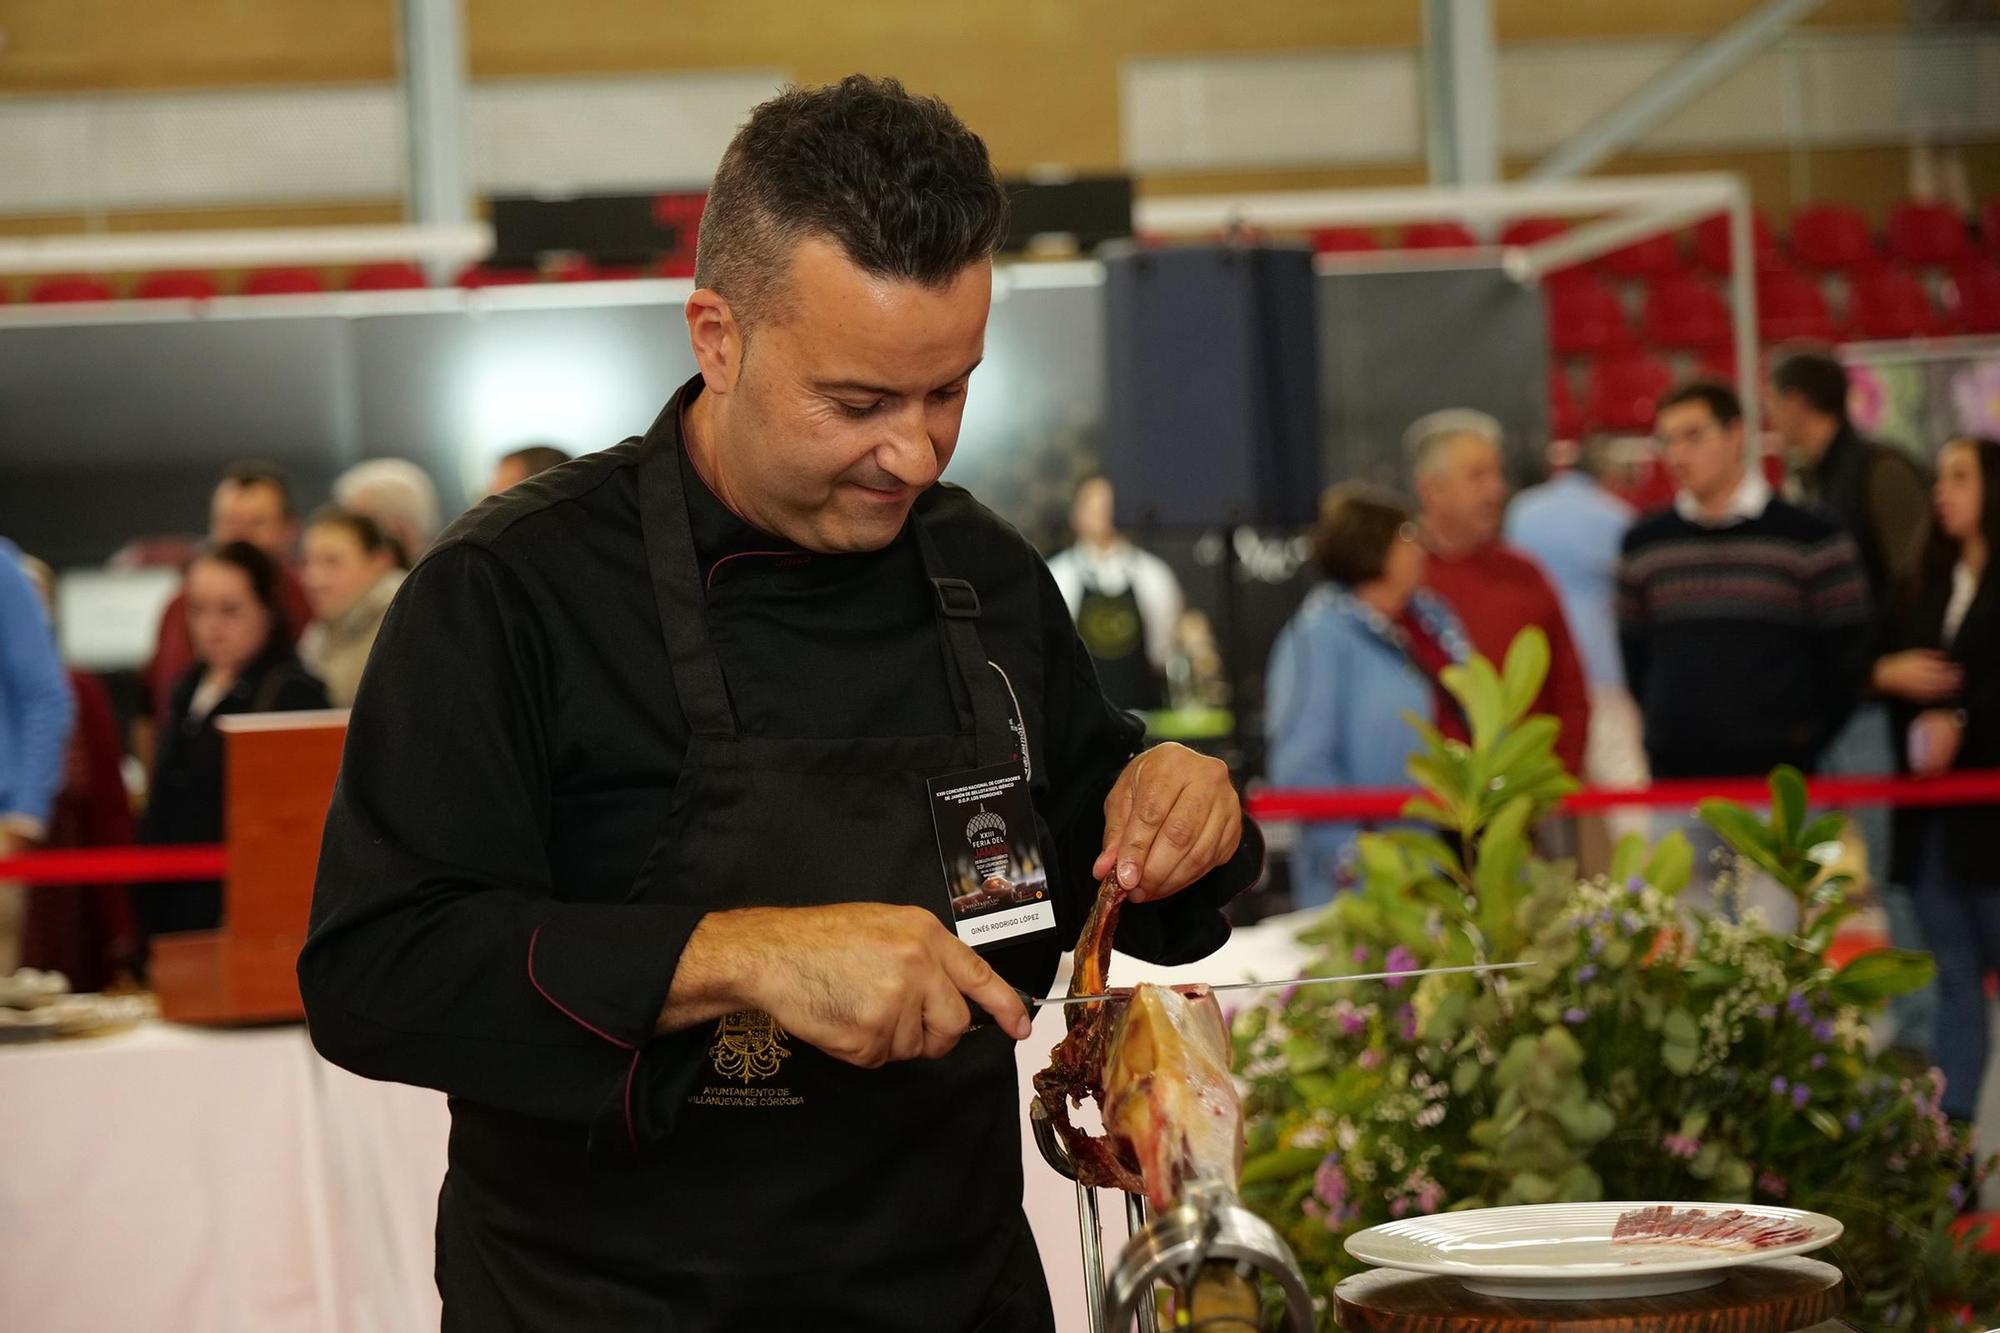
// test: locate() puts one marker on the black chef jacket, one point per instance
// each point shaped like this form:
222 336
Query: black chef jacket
517 740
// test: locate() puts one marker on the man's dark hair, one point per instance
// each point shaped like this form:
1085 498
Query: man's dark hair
254 472
1815 377
536 458
1719 398
895 179
1358 523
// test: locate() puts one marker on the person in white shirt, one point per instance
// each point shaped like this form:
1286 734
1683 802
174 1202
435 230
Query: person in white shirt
1125 601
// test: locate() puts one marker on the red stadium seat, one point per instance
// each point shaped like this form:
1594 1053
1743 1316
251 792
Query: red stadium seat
1565 420
1972 298
1833 236
1651 257
1719 362
1711 243
386 278
1585 318
1624 391
676 266
1889 303
282 282
474 276
1989 226
69 287
584 270
1683 311
1437 236
1928 234
1791 307
175 287
1527 231
1343 241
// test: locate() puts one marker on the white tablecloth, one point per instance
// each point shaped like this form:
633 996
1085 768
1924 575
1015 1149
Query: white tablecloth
186 1181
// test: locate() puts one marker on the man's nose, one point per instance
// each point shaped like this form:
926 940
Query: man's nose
909 455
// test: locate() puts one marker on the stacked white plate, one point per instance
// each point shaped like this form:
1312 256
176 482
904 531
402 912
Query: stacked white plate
1564 1251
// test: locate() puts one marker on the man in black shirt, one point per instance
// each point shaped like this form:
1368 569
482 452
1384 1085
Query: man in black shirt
640 844
1878 493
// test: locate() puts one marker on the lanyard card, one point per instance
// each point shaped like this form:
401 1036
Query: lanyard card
993 873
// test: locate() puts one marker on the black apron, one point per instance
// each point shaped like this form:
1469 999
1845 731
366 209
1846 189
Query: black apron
795 1192
1113 630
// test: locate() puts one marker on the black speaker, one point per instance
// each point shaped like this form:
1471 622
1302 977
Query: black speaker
1212 386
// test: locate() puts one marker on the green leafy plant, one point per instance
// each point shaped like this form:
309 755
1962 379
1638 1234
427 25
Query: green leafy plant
1655 1049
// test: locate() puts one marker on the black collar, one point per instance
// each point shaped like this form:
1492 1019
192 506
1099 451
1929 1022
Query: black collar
719 533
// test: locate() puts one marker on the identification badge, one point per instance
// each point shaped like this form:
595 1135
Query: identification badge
994 878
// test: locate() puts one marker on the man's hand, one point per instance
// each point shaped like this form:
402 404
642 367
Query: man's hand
1170 819
1921 675
864 982
1935 736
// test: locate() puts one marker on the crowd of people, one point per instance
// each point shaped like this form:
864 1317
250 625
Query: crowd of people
1850 630
272 616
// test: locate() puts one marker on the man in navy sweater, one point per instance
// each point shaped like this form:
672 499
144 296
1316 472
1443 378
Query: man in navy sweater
1744 620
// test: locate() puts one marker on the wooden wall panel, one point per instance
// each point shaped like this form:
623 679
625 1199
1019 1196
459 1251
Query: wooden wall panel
84 45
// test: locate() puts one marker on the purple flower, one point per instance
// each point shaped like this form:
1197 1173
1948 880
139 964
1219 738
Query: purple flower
1796 1005
1635 884
1767 1012
1823 1030
1586 974
1772 1184
1681 1146
1801 1094
1853 1122
1633 922
1369 1058
1399 960
1406 1023
1818 1061
1330 1183
1353 1023
1957 1195
1780 1086
1360 954
1573 1016
1399 1207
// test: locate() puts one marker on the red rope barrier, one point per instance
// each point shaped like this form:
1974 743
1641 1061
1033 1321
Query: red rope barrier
121 865
115 865
1969 788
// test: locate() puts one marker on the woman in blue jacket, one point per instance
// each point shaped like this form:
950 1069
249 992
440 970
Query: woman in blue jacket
1363 650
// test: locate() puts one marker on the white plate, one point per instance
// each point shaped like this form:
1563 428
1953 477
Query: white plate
1563 1251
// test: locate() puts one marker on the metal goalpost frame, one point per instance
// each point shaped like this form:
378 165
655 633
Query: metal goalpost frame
1622 209
119 251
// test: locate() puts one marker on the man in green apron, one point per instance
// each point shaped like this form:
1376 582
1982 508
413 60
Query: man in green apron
706 798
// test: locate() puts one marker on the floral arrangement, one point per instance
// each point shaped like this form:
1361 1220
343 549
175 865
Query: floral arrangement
1655 1049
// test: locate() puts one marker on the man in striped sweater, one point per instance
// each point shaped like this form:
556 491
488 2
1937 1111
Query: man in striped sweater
1744 620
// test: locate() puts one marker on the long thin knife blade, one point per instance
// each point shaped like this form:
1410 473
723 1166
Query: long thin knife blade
1297 981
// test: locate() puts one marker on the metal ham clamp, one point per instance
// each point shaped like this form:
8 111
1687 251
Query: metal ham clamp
1157 1065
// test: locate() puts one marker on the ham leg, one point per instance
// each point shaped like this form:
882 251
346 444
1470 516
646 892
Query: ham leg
1157 1065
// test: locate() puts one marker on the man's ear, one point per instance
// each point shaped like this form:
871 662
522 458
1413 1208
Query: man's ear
717 339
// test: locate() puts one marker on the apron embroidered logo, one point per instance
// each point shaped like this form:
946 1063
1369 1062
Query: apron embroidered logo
747 1046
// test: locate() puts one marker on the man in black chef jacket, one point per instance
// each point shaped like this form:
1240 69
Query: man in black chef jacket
642 839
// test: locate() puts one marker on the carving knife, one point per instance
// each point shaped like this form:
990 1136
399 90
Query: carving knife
1295 981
